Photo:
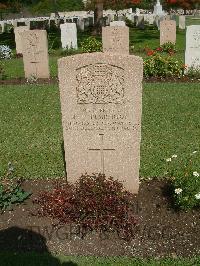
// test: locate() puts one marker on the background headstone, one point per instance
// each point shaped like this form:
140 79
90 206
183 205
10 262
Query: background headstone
80 24
18 41
192 53
115 39
139 21
101 104
182 22
158 9
167 31
69 35
35 53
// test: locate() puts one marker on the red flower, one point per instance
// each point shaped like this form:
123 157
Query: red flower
150 52
159 49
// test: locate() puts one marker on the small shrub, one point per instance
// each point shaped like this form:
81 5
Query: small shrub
5 52
193 72
158 65
168 47
11 191
185 181
94 202
90 45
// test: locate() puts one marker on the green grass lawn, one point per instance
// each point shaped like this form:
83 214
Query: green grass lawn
31 132
32 259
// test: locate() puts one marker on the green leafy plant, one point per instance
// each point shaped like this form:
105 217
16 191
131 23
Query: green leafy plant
193 72
90 45
11 191
129 23
185 180
158 65
168 47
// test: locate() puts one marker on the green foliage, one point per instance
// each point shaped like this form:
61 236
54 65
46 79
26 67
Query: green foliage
185 180
168 47
193 72
11 191
46 6
129 23
158 65
90 45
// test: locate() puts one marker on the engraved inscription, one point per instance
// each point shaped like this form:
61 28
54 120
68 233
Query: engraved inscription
100 84
101 121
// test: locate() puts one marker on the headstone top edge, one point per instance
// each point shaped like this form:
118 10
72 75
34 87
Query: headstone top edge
94 55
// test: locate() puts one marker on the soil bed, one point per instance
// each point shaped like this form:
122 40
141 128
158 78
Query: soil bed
161 232
54 80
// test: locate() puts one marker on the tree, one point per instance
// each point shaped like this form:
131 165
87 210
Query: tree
185 4
99 5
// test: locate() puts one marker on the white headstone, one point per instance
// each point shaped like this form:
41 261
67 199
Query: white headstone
192 53
182 22
69 35
80 24
158 9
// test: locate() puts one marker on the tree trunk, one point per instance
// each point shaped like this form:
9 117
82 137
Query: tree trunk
98 17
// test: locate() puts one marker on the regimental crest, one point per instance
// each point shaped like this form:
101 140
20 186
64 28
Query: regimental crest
100 84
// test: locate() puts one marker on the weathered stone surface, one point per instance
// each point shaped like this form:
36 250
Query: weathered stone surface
101 103
18 40
115 39
192 53
117 23
167 31
69 35
35 53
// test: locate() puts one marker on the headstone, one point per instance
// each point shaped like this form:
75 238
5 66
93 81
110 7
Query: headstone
115 39
2 27
80 24
86 22
101 103
18 41
137 11
192 53
182 22
158 9
117 23
167 31
35 53
69 35
140 22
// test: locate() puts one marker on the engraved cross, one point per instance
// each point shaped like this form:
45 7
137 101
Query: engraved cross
102 150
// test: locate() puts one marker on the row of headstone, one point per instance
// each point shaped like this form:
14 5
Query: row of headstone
115 39
83 22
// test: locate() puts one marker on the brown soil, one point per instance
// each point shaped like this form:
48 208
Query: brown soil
54 80
161 230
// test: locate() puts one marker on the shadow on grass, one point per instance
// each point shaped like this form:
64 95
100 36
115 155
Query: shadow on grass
24 247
